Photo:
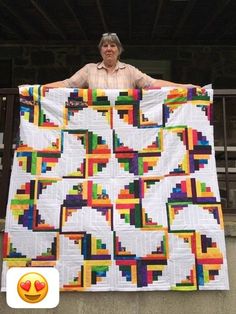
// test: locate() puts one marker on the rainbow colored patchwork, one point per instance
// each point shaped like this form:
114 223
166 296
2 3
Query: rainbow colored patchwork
117 189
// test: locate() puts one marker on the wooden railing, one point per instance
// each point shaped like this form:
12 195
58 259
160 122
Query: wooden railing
9 117
225 145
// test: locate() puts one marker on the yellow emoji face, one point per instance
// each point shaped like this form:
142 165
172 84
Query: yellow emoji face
32 287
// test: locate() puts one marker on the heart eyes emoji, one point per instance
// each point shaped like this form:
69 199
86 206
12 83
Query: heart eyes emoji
32 287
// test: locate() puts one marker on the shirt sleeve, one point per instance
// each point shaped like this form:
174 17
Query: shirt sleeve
141 79
79 79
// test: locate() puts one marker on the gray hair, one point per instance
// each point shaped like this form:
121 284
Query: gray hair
111 38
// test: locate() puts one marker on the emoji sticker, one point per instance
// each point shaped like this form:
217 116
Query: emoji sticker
32 287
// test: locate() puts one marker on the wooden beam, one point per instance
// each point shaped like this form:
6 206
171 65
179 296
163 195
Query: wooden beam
130 18
102 15
158 12
226 29
76 19
49 20
19 18
11 29
213 17
188 9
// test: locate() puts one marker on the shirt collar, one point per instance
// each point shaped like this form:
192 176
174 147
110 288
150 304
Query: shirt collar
119 65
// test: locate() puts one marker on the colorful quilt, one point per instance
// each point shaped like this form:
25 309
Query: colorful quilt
117 189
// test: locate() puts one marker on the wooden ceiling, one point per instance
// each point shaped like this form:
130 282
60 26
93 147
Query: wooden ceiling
137 22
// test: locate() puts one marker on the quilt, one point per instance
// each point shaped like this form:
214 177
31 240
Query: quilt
117 189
